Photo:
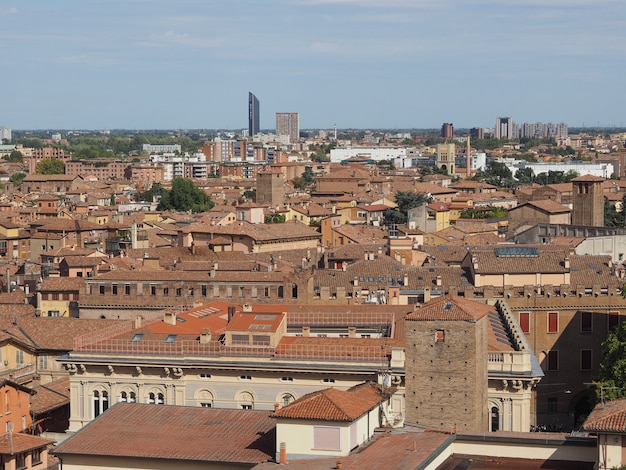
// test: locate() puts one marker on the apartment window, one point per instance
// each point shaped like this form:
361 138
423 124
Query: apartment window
166 291
553 360
205 376
613 320
42 362
20 461
53 313
206 405
152 289
35 455
586 322
114 289
19 358
127 289
553 322
101 290
286 379
55 296
203 291
586 359
179 291
328 381
524 321
241 291
266 292
552 405
440 336
245 377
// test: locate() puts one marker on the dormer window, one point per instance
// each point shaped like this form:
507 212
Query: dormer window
137 337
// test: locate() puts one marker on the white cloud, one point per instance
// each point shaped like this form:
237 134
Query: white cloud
186 39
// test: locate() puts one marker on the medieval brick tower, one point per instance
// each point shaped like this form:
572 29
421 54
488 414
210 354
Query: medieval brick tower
270 188
446 365
588 201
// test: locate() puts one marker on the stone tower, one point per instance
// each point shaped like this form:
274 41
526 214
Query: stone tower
446 365
270 188
446 157
588 201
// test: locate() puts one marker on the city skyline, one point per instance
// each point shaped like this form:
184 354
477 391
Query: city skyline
356 63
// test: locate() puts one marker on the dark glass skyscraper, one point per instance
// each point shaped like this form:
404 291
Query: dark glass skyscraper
253 115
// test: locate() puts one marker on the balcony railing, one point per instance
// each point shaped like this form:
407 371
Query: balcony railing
335 352
510 362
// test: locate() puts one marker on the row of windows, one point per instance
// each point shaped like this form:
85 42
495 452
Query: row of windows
325 380
100 400
59 296
165 291
586 360
552 321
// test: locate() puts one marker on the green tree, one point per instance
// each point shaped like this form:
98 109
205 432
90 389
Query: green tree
275 219
298 182
525 176
185 197
14 156
250 194
50 166
17 178
611 380
406 200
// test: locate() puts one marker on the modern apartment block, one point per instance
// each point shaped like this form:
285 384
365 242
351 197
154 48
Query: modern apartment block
288 124
447 130
504 128
253 115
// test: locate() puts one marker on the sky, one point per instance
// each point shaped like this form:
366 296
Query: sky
360 64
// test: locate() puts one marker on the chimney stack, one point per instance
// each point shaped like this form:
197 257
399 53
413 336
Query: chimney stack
205 336
170 318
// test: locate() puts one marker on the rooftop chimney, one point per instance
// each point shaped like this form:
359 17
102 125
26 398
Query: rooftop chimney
306 331
205 336
170 318
247 308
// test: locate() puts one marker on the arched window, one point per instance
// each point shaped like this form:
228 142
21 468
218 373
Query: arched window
99 402
495 418
156 398
246 401
205 399
287 398
128 397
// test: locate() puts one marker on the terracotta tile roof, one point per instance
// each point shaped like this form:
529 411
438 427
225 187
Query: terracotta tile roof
62 284
450 308
50 396
12 443
335 405
386 450
544 258
548 205
51 333
607 417
593 270
144 431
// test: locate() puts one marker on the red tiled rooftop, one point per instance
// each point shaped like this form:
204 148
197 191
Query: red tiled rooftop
607 417
15 442
450 308
335 405
144 431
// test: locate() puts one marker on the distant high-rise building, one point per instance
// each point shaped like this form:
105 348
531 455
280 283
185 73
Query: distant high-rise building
504 128
447 130
477 133
5 134
288 124
253 115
